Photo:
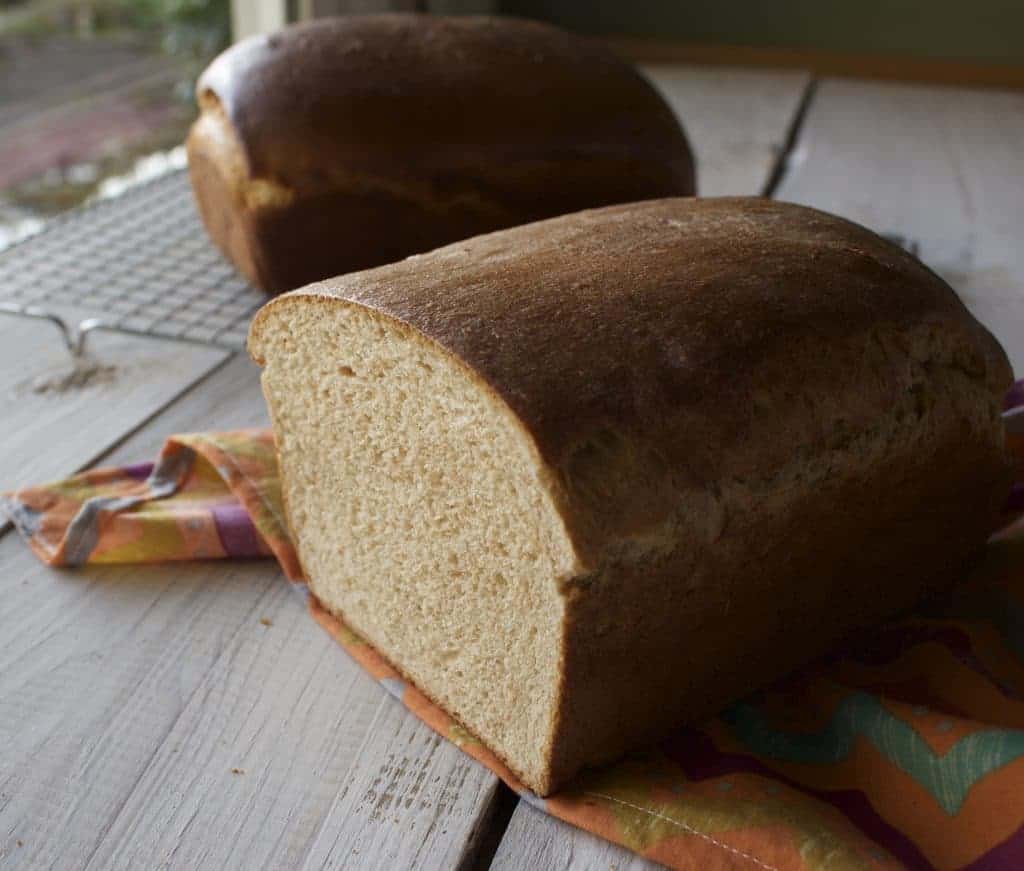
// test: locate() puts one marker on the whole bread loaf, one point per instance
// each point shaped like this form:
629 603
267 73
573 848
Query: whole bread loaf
346 143
593 477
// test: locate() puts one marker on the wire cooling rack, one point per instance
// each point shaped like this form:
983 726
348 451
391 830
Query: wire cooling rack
139 263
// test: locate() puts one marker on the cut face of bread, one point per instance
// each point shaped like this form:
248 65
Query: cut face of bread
442 546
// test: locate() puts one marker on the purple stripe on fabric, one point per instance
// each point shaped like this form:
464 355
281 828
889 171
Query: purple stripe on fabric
698 756
138 471
1014 396
1007 856
237 534
1015 502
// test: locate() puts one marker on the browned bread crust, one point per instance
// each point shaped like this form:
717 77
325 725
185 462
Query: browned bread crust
767 429
345 143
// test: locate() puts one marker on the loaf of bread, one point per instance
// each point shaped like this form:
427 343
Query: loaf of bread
346 143
590 478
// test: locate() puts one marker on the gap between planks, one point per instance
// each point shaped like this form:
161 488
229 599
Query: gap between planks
784 159
940 167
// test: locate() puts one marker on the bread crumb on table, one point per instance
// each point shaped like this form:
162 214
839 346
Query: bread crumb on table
238 771
266 621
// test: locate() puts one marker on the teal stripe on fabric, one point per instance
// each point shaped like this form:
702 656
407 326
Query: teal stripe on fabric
948 778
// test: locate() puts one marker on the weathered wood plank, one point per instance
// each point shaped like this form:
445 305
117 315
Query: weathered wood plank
53 425
256 755
737 120
412 801
534 840
195 716
943 167
97 665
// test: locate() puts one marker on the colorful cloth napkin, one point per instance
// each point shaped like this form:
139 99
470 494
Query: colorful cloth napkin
907 751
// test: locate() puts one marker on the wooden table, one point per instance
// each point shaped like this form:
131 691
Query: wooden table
193 716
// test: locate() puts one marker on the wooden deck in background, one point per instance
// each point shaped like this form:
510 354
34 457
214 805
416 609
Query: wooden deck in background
193 716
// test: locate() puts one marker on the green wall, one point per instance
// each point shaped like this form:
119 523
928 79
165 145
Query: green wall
977 30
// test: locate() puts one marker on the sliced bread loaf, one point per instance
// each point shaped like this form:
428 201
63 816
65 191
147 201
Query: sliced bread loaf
589 478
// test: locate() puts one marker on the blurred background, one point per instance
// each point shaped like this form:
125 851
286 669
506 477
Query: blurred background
96 95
